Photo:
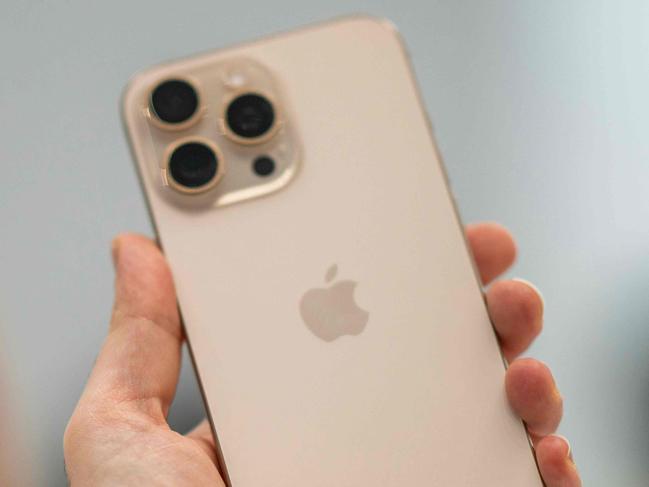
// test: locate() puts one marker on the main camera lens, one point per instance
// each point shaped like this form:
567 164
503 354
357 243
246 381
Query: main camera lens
174 101
250 116
193 165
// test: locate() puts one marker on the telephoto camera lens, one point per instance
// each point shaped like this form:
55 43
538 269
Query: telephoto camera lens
250 115
193 165
174 101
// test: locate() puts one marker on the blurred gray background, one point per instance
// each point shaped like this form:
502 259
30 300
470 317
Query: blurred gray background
540 110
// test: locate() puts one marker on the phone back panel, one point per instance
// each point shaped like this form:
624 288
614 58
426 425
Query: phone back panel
417 398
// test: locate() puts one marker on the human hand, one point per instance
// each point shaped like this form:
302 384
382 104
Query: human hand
119 435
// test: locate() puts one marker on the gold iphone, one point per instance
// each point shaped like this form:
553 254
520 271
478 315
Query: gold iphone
335 319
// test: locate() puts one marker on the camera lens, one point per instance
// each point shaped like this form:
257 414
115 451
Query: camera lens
250 115
174 101
193 165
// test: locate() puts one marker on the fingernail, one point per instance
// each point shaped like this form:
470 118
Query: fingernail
565 440
533 287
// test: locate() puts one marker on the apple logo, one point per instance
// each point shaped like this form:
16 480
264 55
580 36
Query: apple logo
332 312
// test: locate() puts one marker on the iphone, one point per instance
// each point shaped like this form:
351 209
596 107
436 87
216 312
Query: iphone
330 302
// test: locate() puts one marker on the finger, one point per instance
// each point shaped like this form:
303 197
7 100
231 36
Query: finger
516 310
493 248
202 434
555 462
140 360
534 396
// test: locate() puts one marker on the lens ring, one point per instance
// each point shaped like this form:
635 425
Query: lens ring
193 165
250 118
174 104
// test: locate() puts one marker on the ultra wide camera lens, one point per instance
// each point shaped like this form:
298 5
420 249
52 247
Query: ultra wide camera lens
174 101
250 115
193 165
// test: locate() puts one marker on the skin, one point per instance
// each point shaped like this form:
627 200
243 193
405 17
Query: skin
119 436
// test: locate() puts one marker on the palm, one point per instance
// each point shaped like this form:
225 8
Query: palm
160 456
119 435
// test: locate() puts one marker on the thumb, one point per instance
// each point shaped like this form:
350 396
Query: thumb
139 363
